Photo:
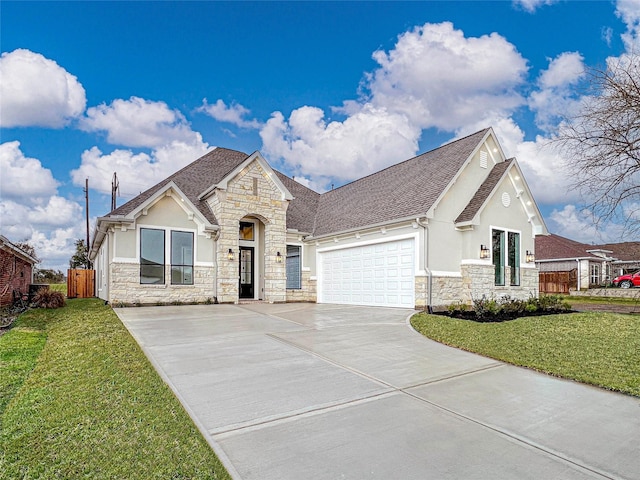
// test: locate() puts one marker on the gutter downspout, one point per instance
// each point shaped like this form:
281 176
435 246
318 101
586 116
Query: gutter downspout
425 226
215 236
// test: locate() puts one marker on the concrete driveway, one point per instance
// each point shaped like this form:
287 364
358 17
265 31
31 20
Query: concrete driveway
305 391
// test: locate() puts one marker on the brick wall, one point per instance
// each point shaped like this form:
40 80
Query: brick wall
15 274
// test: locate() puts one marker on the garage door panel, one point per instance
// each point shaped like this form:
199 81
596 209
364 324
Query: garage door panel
380 274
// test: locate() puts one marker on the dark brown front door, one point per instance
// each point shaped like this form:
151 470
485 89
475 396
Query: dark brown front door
246 272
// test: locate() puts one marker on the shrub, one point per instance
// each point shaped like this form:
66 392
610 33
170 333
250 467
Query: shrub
485 307
49 299
458 306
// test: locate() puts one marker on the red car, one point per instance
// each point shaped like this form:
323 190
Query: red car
627 281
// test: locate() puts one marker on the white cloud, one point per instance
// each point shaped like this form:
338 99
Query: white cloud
364 143
22 177
233 113
439 78
36 91
532 5
136 171
31 210
139 123
556 97
580 225
629 12
434 77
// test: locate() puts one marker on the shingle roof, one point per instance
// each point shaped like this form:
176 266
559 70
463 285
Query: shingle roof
625 251
302 209
474 205
193 180
403 190
550 247
407 189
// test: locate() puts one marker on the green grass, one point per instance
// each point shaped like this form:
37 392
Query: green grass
90 405
59 287
601 349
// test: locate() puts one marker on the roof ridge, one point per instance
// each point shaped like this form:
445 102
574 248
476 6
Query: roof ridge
408 159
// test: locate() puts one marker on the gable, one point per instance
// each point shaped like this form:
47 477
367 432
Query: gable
506 180
167 212
264 170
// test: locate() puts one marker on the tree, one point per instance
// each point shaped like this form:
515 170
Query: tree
80 259
26 247
48 275
602 143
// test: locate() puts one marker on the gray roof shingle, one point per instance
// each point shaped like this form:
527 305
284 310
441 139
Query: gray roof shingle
193 180
403 190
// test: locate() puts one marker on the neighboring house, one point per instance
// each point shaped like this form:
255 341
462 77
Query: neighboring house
626 254
16 270
449 225
589 265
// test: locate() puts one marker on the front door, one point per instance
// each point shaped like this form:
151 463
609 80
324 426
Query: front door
246 272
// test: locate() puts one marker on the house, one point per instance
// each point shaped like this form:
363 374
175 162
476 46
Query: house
450 225
587 266
16 270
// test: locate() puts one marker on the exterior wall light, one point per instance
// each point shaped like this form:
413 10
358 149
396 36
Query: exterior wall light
484 251
278 258
530 257
230 255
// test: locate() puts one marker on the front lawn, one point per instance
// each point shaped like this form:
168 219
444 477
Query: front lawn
598 348
80 400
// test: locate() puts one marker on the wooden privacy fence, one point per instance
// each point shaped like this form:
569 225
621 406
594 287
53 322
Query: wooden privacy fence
80 283
558 282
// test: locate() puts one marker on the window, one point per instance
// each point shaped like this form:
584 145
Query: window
246 231
497 242
506 254
595 274
514 257
294 275
181 258
151 256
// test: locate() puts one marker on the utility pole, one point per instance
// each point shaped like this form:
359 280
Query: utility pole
86 199
115 189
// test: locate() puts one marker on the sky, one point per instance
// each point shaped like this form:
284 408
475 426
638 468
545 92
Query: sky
328 92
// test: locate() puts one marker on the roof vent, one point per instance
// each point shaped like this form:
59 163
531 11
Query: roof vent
506 199
483 159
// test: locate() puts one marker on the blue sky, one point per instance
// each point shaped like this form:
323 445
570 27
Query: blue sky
328 92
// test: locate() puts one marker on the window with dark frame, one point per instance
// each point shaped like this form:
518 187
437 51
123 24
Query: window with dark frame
294 267
151 256
181 258
514 257
497 242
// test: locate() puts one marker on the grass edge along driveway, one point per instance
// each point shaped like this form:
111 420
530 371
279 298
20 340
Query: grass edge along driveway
86 403
601 349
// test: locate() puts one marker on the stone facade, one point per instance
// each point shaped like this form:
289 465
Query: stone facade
308 292
251 194
479 281
125 287
447 290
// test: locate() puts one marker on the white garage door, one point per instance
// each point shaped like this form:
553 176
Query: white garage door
381 274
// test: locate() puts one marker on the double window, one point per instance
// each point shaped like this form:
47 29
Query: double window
506 251
294 271
152 257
